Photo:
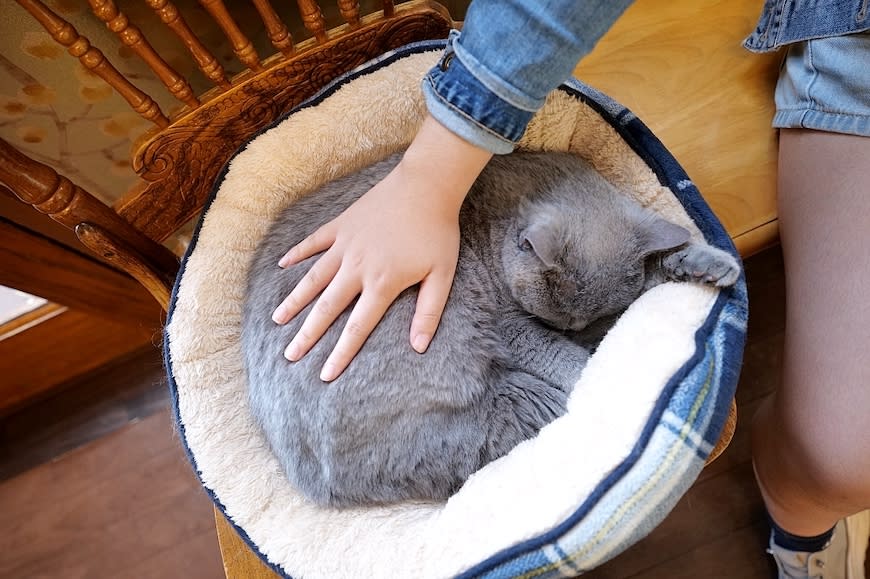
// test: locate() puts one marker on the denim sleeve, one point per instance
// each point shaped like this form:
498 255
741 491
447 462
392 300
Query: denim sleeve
495 74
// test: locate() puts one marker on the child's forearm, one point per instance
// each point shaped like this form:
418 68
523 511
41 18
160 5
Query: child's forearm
446 159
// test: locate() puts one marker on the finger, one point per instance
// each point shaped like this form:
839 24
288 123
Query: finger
362 321
430 305
312 283
321 240
331 303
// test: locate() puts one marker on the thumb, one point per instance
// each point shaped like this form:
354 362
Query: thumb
431 300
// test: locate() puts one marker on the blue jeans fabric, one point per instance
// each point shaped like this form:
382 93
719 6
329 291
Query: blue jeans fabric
493 77
788 21
824 84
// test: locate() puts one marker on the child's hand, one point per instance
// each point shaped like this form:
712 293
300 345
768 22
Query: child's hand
404 231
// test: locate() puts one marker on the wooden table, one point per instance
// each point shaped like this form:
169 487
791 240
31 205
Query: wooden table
681 68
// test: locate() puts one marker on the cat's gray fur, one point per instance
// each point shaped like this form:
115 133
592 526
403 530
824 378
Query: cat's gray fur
548 247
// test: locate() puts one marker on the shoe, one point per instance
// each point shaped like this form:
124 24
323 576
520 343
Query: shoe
842 557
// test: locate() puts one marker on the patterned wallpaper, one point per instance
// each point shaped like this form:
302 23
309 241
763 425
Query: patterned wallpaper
60 113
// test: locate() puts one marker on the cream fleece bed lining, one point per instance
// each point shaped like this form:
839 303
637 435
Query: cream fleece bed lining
528 492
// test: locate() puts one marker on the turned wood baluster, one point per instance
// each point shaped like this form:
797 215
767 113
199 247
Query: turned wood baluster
313 19
117 22
98 227
125 257
65 34
242 47
389 9
278 34
207 63
350 12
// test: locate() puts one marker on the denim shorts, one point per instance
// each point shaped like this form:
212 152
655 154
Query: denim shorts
824 84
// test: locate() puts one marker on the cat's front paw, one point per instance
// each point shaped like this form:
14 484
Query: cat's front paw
702 264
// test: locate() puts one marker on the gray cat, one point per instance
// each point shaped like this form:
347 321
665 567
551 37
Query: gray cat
549 251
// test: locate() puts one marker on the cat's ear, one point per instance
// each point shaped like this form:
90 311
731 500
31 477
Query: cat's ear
658 235
544 239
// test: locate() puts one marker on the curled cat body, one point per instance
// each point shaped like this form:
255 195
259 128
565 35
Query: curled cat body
549 250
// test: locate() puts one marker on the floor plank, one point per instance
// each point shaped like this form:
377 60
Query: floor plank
127 504
82 411
724 558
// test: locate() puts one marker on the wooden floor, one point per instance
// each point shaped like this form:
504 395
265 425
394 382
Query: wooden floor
94 483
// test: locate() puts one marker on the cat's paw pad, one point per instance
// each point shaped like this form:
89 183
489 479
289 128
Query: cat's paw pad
703 264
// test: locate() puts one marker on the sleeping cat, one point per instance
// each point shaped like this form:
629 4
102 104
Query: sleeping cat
549 249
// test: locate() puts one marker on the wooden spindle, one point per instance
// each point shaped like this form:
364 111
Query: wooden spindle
242 47
126 258
117 22
181 165
40 186
66 35
207 63
349 10
312 18
389 9
278 34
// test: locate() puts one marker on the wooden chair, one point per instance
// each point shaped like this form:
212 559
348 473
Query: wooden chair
180 158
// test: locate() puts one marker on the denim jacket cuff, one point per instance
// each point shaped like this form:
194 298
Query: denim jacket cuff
469 106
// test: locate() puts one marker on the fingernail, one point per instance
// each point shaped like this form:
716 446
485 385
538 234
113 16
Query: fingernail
278 316
328 374
286 259
421 342
292 352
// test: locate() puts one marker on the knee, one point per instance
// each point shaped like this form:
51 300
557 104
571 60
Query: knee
826 460
836 476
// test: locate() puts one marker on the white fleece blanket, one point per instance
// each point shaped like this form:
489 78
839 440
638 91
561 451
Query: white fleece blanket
529 491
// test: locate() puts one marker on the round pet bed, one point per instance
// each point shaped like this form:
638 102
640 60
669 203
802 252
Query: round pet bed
641 421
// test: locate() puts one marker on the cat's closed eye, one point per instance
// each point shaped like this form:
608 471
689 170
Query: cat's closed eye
559 285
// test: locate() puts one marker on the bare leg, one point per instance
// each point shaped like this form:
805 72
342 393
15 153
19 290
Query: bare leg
811 441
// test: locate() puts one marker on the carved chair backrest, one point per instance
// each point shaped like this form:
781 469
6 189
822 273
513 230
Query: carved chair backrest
180 158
